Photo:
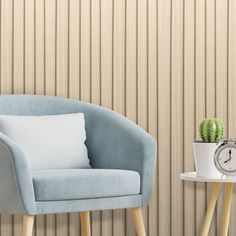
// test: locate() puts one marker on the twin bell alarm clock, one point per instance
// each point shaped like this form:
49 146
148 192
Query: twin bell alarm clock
225 156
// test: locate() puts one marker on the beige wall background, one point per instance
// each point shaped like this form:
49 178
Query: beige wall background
165 64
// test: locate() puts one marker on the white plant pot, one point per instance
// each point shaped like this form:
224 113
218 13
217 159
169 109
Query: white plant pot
204 159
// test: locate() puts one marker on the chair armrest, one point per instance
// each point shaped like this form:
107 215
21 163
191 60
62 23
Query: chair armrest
16 185
115 142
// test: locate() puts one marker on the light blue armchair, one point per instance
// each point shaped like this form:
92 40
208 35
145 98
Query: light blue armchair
122 155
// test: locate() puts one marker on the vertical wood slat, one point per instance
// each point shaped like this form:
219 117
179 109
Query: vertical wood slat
131 53
232 89
95 51
152 103
142 74
200 100
50 47
106 52
62 48
210 84
95 82
119 87
39 46
29 36
177 117
221 74
106 84
74 82
189 118
18 47
39 78
85 70
74 49
18 71
50 77
62 30
164 41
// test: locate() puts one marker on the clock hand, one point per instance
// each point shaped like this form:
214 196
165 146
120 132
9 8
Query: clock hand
227 160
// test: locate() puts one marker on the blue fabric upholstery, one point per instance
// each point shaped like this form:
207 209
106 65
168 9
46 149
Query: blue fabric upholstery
94 204
69 184
16 185
113 142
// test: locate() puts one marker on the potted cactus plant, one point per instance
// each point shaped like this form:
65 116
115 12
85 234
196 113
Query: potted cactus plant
211 131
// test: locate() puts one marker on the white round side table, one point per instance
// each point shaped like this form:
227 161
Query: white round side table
217 182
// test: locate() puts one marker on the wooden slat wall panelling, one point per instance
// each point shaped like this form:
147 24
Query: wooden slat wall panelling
95 81
106 83
39 79
176 117
232 88
18 70
74 224
74 81
165 64
39 46
221 59
51 225
18 49
119 87
200 99
6 78
29 59
62 25
152 103
131 67
189 107
210 79
74 49
164 42
95 51
85 69
142 74
62 48
50 47
130 79
106 52
50 78
6 46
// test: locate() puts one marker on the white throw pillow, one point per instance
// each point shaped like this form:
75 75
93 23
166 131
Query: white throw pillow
49 142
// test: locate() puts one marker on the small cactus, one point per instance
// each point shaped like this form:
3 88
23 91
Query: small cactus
211 130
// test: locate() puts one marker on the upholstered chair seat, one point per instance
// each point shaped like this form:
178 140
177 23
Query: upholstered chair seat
72 184
122 159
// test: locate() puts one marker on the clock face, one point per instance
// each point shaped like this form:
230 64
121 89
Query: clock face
226 159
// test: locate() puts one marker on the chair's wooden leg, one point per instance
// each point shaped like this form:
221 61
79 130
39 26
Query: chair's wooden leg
138 221
85 223
28 222
210 209
227 206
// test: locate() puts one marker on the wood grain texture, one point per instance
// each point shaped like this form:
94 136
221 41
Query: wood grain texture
164 117
210 85
50 46
85 43
177 113
29 46
189 114
200 99
165 64
231 90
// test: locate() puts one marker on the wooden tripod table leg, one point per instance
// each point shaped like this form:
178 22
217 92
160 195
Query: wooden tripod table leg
211 207
227 206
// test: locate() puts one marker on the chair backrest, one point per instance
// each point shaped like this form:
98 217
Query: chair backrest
46 105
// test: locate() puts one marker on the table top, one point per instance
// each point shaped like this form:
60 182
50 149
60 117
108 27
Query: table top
191 176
